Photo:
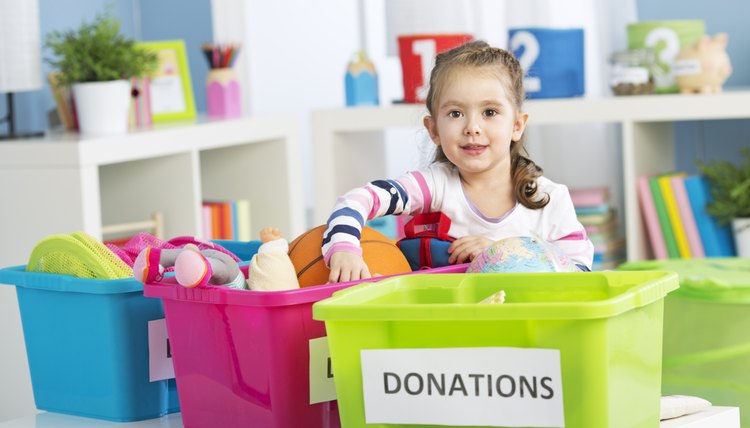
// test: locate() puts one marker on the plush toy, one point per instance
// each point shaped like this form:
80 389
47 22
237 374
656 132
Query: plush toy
271 268
192 267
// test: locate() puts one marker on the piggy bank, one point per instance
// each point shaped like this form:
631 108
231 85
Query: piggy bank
703 66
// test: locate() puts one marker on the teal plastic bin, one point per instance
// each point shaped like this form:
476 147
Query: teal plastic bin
244 250
606 327
87 346
87 343
707 330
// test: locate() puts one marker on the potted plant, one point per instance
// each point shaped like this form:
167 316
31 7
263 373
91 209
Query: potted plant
730 189
97 61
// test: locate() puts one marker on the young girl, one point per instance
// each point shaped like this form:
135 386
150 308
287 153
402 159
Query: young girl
479 177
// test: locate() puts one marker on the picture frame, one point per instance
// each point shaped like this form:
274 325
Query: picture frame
171 90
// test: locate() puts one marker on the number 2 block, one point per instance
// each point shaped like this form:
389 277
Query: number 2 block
552 60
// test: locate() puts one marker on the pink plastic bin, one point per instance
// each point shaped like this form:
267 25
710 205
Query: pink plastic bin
242 358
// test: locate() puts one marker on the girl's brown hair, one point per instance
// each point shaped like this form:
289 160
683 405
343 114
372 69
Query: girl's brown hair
524 172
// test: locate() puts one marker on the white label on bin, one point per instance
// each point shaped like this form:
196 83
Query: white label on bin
159 352
463 387
322 387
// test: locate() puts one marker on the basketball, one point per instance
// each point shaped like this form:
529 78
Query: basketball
379 252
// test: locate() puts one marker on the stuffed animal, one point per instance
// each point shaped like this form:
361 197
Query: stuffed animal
192 267
271 269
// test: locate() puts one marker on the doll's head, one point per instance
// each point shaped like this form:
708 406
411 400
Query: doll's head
192 267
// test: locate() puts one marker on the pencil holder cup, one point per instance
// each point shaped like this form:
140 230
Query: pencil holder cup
223 93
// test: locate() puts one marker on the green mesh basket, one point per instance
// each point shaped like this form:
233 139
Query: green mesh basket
77 254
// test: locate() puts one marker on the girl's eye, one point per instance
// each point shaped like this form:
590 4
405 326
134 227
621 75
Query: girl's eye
490 112
454 114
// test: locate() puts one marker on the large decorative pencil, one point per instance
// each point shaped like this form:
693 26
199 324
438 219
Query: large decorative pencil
361 82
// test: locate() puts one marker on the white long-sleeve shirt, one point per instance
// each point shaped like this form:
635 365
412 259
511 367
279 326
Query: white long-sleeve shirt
439 188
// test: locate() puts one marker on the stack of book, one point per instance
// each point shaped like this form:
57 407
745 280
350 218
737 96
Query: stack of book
599 219
674 210
227 220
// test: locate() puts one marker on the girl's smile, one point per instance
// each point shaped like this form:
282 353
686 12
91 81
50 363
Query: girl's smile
474 149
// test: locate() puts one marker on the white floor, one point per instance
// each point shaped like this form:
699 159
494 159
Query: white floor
715 417
57 420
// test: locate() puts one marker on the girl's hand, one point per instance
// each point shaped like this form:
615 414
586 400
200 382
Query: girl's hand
464 249
347 266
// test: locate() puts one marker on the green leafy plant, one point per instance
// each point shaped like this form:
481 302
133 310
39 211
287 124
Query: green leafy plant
730 187
96 52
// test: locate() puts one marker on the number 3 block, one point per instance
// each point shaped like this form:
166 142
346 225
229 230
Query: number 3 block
552 60
665 38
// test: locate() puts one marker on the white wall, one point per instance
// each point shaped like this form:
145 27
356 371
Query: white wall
297 53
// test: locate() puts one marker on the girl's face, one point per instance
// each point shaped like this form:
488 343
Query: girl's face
475 122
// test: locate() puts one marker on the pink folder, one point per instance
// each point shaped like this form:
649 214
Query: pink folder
587 197
649 216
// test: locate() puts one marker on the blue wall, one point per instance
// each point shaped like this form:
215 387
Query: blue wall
716 139
186 20
160 20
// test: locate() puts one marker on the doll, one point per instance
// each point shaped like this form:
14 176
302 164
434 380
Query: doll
192 267
271 268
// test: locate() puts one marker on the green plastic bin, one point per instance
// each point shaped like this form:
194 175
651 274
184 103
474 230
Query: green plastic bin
707 330
607 327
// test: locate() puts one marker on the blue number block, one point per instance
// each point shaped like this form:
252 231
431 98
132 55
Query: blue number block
552 60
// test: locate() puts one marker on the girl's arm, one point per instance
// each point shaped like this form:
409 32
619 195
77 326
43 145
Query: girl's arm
566 231
404 195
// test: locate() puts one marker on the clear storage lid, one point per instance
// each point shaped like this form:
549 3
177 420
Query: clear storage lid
717 279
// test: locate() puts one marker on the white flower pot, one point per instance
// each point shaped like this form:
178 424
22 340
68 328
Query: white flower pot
102 107
741 229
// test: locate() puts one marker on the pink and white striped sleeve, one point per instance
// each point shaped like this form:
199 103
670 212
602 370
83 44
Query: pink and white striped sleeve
567 232
408 194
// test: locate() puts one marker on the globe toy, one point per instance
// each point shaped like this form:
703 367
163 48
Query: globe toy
521 254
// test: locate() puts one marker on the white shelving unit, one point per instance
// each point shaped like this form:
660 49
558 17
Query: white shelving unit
349 148
62 183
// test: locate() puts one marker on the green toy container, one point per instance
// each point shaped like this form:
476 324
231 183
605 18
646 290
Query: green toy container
606 326
665 38
707 330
